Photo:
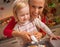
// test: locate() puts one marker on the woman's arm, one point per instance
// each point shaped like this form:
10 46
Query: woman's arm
9 28
43 19
42 26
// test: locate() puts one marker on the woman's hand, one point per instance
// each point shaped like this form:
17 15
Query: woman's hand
38 35
54 37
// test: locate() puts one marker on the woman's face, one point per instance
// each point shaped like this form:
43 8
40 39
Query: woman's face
36 7
23 14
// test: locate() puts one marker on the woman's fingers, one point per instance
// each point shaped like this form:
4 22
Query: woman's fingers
54 38
58 37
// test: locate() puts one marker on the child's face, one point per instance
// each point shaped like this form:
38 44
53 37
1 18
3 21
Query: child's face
23 14
36 7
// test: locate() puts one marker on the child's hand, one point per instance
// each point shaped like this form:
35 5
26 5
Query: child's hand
26 37
22 34
38 35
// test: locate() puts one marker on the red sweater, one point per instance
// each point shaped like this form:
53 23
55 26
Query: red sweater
9 28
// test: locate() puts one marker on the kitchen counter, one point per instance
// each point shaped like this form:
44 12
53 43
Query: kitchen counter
12 42
6 40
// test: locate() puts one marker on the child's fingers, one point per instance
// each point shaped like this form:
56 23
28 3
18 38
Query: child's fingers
27 38
35 33
38 35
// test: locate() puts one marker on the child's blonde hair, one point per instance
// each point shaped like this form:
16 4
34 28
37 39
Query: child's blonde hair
17 7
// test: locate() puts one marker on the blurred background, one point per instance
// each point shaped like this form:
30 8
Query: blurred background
52 16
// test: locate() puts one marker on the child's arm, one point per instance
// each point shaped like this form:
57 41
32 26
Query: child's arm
22 34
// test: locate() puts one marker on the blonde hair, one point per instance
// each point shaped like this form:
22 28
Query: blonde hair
17 7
